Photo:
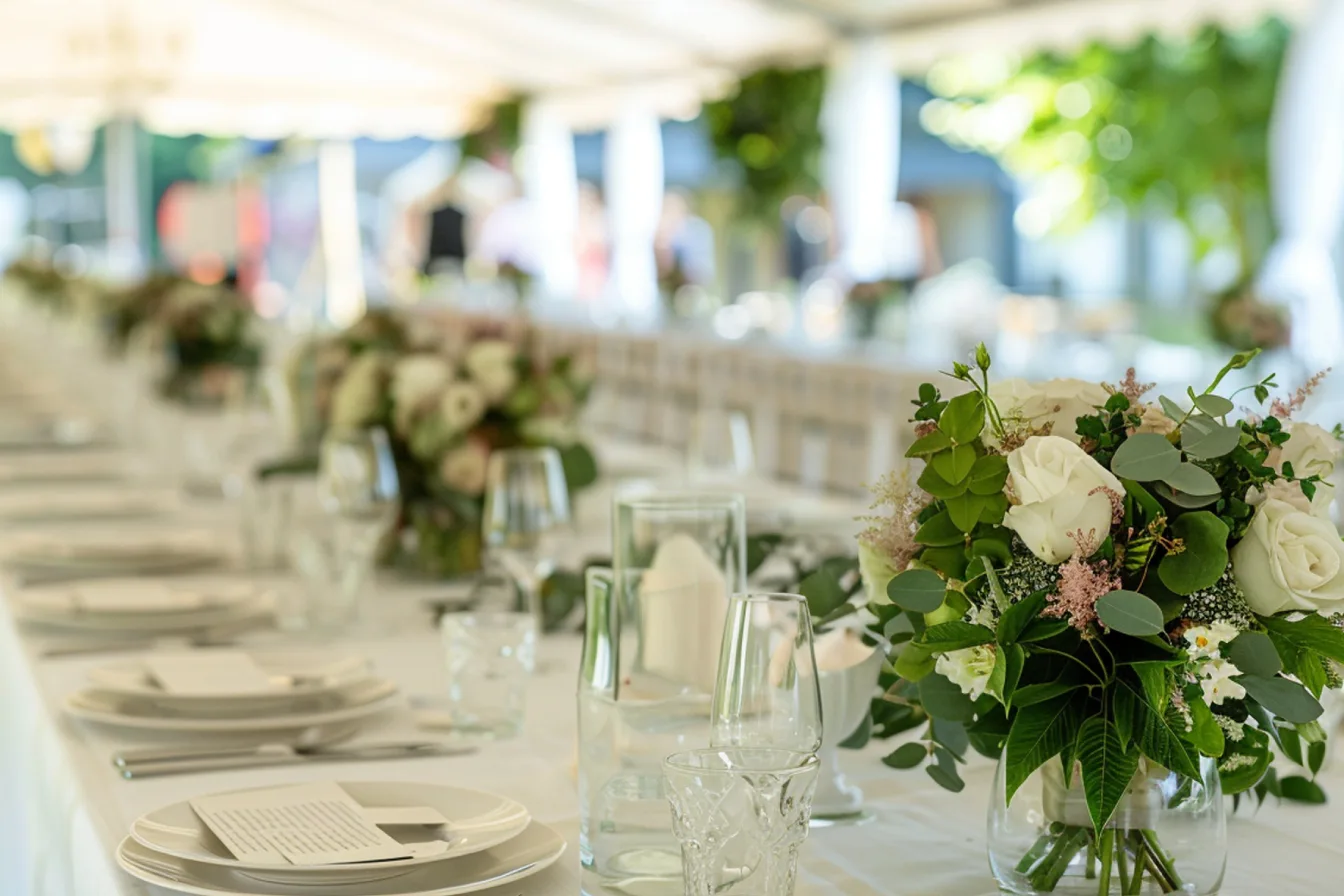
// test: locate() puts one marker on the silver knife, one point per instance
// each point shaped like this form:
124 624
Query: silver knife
269 755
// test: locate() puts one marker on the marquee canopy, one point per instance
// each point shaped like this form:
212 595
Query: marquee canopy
391 68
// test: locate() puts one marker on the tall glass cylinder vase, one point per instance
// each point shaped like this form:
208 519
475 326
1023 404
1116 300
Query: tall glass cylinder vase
650 657
1168 835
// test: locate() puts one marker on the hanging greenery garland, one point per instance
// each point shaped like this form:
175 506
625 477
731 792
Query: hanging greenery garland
769 129
499 135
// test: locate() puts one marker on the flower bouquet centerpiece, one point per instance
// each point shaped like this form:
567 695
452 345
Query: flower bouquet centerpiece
1127 602
209 336
444 414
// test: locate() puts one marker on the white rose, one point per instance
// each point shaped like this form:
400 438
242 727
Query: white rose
490 363
417 378
462 406
1057 486
357 397
463 469
1291 493
968 669
1057 402
1313 452
1290 560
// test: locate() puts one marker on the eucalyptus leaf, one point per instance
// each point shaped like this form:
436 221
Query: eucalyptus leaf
1214 405
1203 559
1181 499
823 592
1171 408
946 777
964 418
1192 480
1130 613
906 756
955 464
944 700
1287 699
1205 438
921 590
1254 654
1145 457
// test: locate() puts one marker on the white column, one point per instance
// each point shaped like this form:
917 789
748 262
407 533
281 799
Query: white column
338 223
634 192
551 184
122 191
1307 186
860 122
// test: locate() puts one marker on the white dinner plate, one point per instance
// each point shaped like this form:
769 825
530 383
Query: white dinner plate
535 849
107 555
94 502
143 607
358 701
476 821
75 466
295 676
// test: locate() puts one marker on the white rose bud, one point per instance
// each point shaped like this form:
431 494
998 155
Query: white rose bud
1058 403
1290 560
462 406
1154 419
1060 490
464 468
490 363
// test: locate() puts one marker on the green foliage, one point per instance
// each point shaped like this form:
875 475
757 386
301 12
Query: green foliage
1130 613
1204 555
1180 122
768 129
1108 766
500 134
921 590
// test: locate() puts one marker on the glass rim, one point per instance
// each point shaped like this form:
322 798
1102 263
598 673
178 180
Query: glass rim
785 762
537 451
763 597
678 500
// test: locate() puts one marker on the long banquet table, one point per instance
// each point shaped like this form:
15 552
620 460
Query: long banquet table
63 810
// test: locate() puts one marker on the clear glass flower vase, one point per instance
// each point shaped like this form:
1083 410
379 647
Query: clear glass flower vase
1168 835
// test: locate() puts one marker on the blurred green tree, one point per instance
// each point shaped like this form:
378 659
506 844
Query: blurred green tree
1180 123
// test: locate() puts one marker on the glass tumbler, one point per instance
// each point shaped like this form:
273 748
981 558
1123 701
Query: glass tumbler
490 657
741 815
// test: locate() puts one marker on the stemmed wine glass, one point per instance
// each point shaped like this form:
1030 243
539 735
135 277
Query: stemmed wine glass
526 512
337 543
767 693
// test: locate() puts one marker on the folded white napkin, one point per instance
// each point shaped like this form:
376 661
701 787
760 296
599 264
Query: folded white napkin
683 601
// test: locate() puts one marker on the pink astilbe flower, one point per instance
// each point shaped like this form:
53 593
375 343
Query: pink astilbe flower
1284 409
1081 584
893 534
1130 387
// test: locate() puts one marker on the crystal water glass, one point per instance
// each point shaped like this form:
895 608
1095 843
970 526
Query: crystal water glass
767 693
720 444
650 657
490 657
526 516
741 815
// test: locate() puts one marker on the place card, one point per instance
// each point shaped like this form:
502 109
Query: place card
308 824
208 673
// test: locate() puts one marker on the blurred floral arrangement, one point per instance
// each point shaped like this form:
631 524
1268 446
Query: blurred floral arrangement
1087 580
209 335
1241 320
41 281
445 410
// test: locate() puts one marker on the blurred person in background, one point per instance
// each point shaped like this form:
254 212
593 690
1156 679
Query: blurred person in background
591 243
683 245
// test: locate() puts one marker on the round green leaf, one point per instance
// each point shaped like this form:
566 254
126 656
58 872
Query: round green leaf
965 510
940 531
906 756
954 465
1286 699
1214 405
1204 438
921 590
946 777
964 418
937 486
1301 790
1254 654
929 444
1145 457
1192 480
1130 613
1172 409
1204 557
989 474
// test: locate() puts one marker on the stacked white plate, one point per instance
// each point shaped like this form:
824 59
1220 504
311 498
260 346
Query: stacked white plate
141 607
490 841
103 554
307 690
73 466
110 501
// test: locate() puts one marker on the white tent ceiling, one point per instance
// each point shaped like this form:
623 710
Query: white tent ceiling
270 68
